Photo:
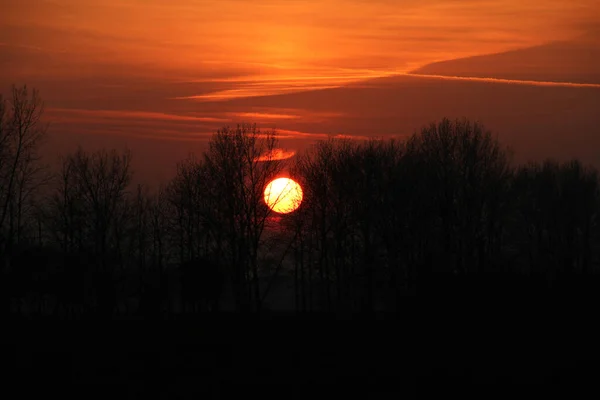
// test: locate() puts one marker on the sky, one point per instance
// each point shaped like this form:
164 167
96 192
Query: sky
161 76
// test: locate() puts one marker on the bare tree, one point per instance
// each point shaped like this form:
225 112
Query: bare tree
467 172
379 209
159 226
91 212
90 200
21 132
330 172
351 221
239 164
187 210
556 211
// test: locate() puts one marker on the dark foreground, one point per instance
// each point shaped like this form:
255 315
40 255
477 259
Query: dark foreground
519 351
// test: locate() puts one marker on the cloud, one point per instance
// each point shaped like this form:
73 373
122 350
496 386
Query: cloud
292 134
127 114
128 123
259 115
510 81
245 87
244 92
284 114
163 133
277 154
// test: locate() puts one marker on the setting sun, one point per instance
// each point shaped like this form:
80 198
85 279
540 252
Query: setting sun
283 195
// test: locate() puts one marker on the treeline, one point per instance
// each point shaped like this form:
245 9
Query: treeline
442 213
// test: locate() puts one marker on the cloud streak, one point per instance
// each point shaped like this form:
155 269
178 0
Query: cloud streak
509 81
276 155
273 114
128 114
259 87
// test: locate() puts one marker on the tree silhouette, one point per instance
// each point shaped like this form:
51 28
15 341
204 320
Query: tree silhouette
345 185
90 214
467 173
440 214
21 173
381 211
558 205
189 213
239 164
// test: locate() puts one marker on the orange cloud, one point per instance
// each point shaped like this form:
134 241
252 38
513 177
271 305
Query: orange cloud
277 154
258 115
276 113
120 114
230 94
510 81
268 86
291 134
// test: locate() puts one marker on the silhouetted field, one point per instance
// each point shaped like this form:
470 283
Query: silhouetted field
435 351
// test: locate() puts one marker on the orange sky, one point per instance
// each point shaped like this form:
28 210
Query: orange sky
171 69
225 39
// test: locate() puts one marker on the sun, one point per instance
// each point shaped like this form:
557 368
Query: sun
283 195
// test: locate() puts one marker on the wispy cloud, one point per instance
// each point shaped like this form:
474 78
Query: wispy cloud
292 134
510 81
276 155
268 86
127 114
192 125
21 46
158 133
254 91
260 116
275 114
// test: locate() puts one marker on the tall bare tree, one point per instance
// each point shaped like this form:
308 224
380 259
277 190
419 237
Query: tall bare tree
90 213
90 200
239 164
467 171
21 132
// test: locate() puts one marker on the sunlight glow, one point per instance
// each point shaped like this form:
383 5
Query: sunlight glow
283 195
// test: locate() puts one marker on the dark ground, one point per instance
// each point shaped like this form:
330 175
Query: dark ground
518 350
